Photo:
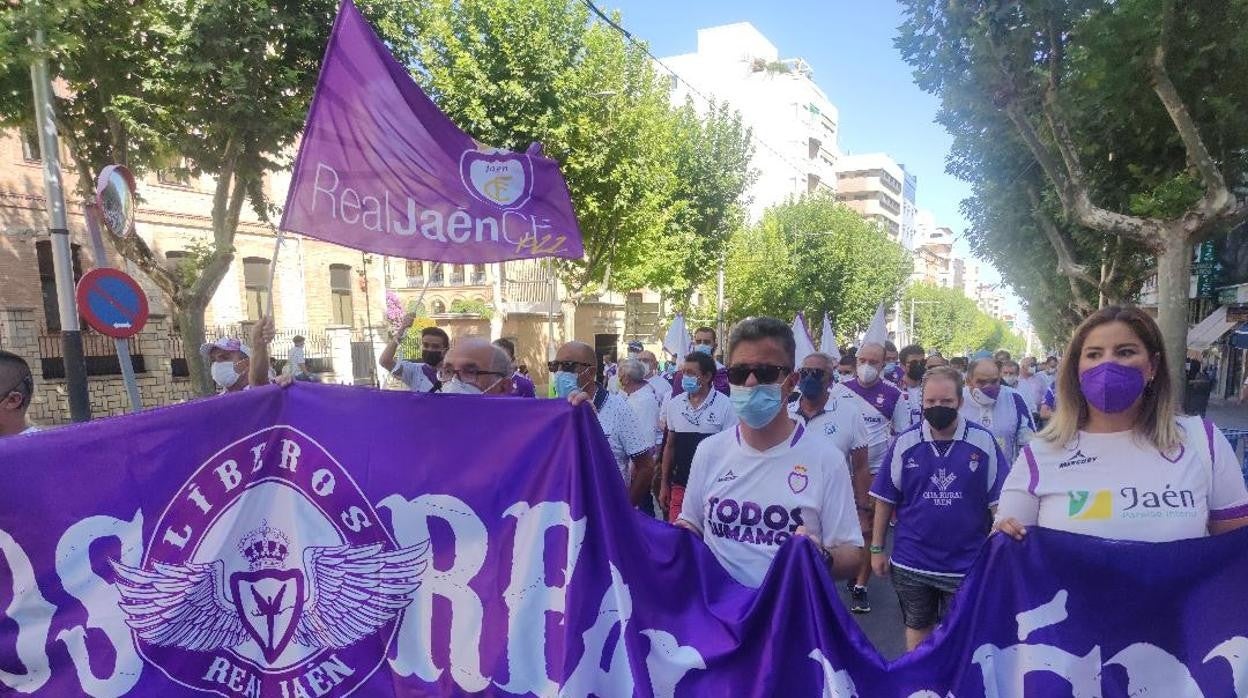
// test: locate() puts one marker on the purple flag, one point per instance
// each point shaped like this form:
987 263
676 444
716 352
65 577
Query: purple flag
326 541
381 169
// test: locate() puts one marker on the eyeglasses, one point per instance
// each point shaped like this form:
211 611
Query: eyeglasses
465 375
765 373
569 366
816 373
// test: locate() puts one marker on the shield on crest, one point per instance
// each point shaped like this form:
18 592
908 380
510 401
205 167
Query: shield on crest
269 602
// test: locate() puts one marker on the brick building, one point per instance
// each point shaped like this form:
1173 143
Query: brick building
328 293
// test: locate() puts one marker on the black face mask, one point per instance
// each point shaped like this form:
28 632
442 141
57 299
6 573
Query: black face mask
433 358
915 371
940 416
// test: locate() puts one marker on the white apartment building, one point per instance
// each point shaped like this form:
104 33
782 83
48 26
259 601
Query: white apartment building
875 185
935 262
794 124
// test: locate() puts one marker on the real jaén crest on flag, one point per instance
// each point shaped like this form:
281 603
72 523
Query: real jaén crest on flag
381 169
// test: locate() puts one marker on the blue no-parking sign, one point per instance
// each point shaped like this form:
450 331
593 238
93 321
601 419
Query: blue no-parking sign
112 303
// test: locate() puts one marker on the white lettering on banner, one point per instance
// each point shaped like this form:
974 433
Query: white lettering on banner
33 615
836 684
1005 669
457 226
668 662
530 595
1152 671
588 678
101 600
1235 652
410 519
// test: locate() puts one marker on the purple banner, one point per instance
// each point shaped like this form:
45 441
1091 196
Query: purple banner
330 541
381 169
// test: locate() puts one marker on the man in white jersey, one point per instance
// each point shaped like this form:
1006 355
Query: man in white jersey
826 409
913 365
996 407
687 420
642 396
884 415
753 487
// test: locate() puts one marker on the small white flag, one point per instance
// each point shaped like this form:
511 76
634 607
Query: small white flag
677 340
827 339
877 333
805 345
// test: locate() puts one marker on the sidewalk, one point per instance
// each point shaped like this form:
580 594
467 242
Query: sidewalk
1227 414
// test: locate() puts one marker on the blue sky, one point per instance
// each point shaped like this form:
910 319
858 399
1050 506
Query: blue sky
849 44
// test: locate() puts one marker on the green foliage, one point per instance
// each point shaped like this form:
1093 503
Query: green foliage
656 190
472 306
945 319
814 255
189 268
980 57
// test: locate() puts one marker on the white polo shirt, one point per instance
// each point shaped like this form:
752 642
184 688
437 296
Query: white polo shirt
412 374
624 433
840 422
747 503
1120 486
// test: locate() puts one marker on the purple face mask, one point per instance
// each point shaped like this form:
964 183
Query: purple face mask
1111 387
992 390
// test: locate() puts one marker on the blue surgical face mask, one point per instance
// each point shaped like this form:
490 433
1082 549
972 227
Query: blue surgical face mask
890 368
704 348
565 383
811 387
689 384
757 405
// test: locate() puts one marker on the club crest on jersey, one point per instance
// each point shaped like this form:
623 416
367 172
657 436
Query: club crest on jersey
974 462
829 429
798 480
269 574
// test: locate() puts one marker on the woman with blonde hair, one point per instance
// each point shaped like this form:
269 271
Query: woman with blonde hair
1116 460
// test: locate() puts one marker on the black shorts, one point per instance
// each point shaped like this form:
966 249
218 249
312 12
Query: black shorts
924 598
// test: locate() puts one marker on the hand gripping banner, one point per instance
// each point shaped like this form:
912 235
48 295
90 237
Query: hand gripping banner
381 169
324 541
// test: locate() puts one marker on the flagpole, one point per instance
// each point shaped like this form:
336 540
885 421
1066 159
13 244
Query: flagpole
72 358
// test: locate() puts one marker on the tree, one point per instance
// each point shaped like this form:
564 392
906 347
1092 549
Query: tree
218 89
945 319
1090 88
655 190
814 255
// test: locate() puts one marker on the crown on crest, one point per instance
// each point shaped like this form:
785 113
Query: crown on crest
265 547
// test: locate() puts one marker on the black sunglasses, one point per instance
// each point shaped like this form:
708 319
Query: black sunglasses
569 366
817 373
765 373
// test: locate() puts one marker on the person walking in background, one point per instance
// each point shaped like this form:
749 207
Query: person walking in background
521 384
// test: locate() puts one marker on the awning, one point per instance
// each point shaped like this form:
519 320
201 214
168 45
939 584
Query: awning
1204 333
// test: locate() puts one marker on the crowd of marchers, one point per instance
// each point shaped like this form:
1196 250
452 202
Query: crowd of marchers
750 450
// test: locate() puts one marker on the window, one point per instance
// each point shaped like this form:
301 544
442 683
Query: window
415 273
478 274
30 144
47 281
438 307
175 257
457 275
437 274
340 293
256 286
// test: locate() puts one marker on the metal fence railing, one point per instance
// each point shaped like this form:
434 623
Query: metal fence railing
99 352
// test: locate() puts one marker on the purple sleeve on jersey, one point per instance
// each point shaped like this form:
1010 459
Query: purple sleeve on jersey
1003 469
1034 469
1050 398
1024 414
721 381
522 386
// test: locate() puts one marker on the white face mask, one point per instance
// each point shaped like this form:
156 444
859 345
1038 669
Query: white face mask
1010 380
867 373
223 374
457 387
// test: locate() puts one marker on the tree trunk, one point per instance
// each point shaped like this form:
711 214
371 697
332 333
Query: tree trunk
190 319
1174 273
